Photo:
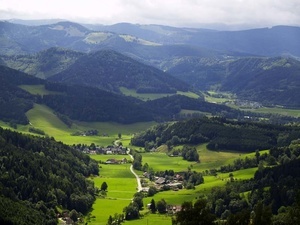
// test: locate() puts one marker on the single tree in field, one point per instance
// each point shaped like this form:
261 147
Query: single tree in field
104 186
161 206
153 206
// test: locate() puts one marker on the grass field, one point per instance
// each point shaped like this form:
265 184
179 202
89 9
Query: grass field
42 117
191 112
121 188
278 110
37 89
152 96
227 97
208 159
215 97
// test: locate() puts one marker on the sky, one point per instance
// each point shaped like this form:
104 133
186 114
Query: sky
179 13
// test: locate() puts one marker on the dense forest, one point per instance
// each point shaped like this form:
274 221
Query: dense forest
15 102
92 104
219 133
111 70
38 175
276 79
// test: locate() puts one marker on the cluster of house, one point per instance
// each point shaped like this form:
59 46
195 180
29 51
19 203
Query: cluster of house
171 209
247 104
109 150
116 161
161 183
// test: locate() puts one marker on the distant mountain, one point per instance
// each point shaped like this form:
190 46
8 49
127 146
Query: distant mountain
157 33
21 39
42 64
111 70
267 80
35 22
273 41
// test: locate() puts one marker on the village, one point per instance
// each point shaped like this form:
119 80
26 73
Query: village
163 182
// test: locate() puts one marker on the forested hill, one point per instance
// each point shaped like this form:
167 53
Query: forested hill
267 80
220 134
76 102
90 104
43 64
15 102
39 174
111 70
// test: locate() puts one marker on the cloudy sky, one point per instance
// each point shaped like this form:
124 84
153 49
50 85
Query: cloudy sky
188 13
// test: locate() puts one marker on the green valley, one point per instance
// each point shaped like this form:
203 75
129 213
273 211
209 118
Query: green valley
148 124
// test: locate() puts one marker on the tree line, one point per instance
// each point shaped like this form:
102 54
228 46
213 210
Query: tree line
219 133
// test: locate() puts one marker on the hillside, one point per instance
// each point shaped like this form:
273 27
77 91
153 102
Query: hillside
266 80
21 39
111 70
14 101
220 134
82 103
77 102
43 64
36 178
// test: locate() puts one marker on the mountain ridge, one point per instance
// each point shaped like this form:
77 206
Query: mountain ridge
111 70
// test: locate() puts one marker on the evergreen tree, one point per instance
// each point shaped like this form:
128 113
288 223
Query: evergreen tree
153 206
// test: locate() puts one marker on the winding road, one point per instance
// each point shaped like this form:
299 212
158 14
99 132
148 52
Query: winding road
138 180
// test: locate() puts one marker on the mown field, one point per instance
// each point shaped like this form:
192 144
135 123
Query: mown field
121 188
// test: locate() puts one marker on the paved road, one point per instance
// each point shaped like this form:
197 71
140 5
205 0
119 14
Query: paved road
138 180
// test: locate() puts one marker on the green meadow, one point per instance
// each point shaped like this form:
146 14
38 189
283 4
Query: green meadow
42 117
152 96
222 97
38 90
160 161
278 110
121 188
218 97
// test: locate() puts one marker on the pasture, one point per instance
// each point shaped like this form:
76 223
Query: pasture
208 159
278 110
121 188
221 97
38 90
152 96
42 117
